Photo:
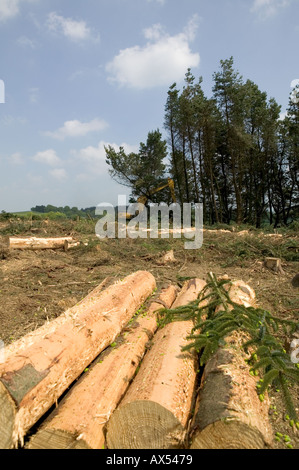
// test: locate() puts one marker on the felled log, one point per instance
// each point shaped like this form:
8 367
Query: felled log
80 419
33 243
273 235
155 410
243 232
43 364
228 411
70 244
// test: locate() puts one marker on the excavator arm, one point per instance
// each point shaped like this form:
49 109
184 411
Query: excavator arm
170 183
144 198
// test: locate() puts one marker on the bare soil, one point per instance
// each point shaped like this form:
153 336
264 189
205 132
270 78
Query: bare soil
36 286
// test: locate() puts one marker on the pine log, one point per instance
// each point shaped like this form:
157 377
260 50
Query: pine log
39 367
242 233
156 408
33 243
228 412
80 418
70 244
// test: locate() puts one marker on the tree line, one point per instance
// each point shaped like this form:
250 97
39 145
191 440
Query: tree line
66 211
231 152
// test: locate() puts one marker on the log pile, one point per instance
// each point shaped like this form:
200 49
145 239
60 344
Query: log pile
42 365
108 402
80 418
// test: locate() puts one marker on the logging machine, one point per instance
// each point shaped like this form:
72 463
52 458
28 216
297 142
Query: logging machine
145 197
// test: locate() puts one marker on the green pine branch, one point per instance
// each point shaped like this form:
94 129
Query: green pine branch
216 316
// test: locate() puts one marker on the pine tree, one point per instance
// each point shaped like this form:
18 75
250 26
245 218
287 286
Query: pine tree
141 172
229 93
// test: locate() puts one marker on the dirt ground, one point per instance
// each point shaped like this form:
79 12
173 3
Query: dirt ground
36 286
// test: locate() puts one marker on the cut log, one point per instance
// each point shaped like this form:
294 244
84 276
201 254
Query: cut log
156 408
70 244
274 264
33 243
273 235
242 233
42 365
240 293
80 419
228 411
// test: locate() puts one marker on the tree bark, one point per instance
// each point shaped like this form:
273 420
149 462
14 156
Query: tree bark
41 366
155 411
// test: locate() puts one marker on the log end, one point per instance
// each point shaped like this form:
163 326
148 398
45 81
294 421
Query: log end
56 439
228 434
8 412
144 424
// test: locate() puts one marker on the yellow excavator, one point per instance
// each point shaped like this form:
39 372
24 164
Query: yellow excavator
144 198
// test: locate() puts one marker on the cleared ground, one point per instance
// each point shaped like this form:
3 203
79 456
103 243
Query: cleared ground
36 286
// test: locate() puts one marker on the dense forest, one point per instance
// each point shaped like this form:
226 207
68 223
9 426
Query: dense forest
231 152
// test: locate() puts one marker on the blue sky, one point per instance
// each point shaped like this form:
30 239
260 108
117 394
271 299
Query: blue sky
79 75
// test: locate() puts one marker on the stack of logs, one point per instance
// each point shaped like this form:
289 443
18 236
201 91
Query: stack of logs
88 359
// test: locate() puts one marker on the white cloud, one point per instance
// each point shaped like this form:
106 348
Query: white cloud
295 90
162 61
9 120
295 83
154 33
16 159
48 157
267 8
58 173
282 116
161 2
35 180
10 8
33 95
72 29
93 159
77 128
24 41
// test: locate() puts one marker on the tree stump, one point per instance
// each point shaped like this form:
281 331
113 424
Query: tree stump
274 264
